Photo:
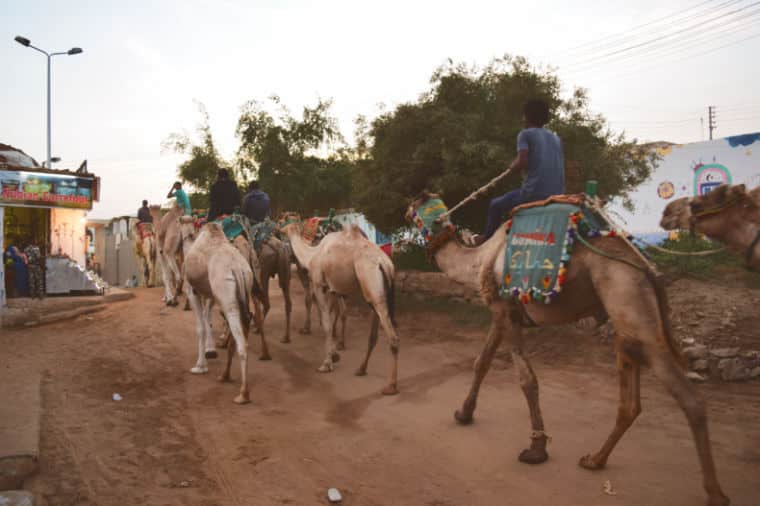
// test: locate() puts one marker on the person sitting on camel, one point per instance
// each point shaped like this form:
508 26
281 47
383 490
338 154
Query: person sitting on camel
183 200
224 196
255 203
539 155
143 214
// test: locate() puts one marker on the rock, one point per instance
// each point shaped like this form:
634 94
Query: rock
751 354
687 341
333 495
725 352
15 469
700 365
733 369
755 373
695 376
16 498
696 352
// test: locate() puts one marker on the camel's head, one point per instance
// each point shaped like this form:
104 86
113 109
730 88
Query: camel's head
188 229
425 212
676 215
288 218
713 212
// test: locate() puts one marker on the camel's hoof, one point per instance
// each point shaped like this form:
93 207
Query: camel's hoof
304 331
587 462
242 399
390 390
326 367
199 370
335 357
533 456
462 418
285 340
361 372
186 308
211 354
340 346
265 357
224 378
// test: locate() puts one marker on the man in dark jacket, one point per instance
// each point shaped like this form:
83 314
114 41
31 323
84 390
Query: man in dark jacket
143 214
255 203
224 196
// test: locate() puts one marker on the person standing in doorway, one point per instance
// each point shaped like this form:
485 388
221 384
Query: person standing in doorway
36 271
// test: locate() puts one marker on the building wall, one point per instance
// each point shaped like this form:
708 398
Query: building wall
691 169
67 233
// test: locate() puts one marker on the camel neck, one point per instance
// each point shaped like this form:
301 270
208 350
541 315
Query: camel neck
463 264
303 252
741 238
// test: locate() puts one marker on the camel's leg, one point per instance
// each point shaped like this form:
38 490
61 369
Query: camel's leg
326 305
176 275
370 345
303 275
343 314
237 328
223 340
258 318
283 278
390 332
201 367
629 409
536 454
225 376
168 281
210 350
482 364
665 367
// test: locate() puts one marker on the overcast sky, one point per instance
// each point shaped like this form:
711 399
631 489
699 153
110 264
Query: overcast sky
144 63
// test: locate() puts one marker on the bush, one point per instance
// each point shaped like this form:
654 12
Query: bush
697 266
412 257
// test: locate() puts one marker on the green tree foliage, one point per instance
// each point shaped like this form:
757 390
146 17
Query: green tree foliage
295 159
462 132
199 170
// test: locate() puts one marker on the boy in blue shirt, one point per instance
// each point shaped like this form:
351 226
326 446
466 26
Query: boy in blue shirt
539 155
183 200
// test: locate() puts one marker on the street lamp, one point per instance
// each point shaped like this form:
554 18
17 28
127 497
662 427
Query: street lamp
74 50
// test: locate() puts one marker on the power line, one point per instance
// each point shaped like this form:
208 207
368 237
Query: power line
664 36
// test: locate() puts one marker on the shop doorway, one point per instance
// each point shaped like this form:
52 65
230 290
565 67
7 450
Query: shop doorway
27 225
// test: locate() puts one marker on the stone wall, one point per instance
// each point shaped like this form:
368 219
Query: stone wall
727 364
436 284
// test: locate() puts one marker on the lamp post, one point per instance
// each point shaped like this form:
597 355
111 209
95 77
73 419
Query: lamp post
74 50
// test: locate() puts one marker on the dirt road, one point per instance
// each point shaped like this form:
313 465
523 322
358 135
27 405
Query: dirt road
177 439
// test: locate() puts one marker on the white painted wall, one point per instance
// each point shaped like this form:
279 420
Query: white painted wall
692 169
67 233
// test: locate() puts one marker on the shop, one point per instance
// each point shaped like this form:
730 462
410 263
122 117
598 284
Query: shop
45 208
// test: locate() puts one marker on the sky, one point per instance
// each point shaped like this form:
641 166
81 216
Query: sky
146 62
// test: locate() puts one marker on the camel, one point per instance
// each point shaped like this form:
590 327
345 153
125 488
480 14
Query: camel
169 246
636 304
728 214
188 233
146 252
274 259
303 277
217 273
343 264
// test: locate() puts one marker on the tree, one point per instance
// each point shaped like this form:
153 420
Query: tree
462 132
199 170
295 160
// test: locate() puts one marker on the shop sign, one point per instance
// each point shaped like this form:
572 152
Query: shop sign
41 189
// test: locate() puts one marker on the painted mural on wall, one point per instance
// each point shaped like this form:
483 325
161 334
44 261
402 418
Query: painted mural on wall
692 169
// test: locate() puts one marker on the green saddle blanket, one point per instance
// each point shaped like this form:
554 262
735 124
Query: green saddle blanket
232 226
539 245
261 232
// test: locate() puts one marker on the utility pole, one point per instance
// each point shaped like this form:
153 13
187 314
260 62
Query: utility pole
711 119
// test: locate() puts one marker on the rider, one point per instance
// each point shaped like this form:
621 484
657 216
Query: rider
255 203
182 199
539 155
143 214
224 196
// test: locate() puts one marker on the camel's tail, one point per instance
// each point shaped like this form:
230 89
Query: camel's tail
390 296
664 308
243 300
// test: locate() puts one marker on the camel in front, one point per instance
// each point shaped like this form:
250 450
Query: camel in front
345 263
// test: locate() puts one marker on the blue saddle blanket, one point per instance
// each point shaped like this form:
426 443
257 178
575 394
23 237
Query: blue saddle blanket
539 244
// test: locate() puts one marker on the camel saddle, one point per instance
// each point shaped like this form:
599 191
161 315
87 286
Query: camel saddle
540 239
145 230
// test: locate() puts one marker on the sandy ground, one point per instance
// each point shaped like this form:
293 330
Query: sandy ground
177 439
